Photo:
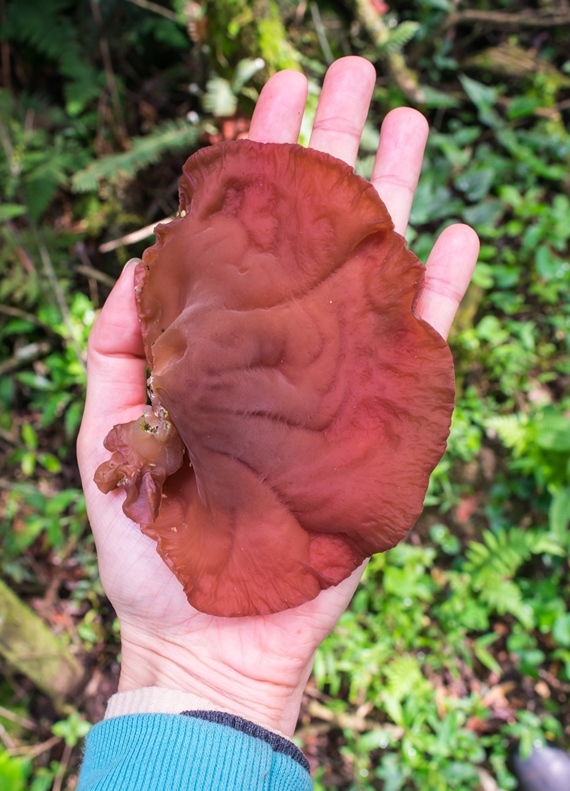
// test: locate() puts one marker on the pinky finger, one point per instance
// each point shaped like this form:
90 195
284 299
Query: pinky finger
448 272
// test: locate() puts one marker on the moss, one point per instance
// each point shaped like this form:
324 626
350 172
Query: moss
28 645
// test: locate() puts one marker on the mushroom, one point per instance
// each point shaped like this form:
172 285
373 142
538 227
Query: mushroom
277 314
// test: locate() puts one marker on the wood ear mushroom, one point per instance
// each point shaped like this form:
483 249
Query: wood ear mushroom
301 403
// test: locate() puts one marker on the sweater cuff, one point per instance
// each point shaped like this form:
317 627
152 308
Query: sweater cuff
145 752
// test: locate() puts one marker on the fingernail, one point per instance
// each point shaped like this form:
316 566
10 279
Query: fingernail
132 261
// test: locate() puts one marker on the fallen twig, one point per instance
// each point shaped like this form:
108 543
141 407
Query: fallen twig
110 77
90 271
7 740
554 682
17 313
354 722
321 33
25 354
32 751
542 17
23 721
405 78
155 8
62 769
131 238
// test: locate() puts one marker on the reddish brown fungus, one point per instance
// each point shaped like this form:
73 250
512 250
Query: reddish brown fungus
278 319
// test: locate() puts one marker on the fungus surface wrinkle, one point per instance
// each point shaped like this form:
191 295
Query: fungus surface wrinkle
298 403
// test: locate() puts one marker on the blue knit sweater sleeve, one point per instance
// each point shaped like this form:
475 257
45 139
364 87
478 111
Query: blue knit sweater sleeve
194 751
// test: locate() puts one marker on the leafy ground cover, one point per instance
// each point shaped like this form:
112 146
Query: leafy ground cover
456 648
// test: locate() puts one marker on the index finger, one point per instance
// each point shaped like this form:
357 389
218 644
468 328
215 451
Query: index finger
279 110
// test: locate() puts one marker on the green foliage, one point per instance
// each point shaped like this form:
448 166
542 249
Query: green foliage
168 137
400 35
540 442
221 96
487 577
237 28
91 146
411 623
34 163
58 519
13 772
72 729
47 29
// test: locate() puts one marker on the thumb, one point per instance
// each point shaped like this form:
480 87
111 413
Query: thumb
116 367
116 362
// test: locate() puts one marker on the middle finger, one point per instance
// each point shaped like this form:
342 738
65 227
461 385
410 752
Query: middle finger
343 107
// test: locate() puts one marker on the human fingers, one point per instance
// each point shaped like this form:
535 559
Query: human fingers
448 272
115 360
343 107
398 163
279 110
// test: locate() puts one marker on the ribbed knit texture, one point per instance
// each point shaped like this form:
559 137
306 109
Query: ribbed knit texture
170 752
277 743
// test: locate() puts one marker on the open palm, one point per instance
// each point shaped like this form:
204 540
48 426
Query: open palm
255 666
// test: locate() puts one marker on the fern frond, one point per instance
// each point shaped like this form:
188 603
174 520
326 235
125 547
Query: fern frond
505 550
40 189
85 82
512 430
492 565
47 28
41 25
168 137
404 676
400 36
505 597
478 554
546 545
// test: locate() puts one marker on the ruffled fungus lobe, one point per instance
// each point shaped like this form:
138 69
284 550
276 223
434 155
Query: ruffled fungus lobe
278 320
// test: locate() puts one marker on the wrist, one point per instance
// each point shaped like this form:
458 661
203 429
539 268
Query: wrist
259 698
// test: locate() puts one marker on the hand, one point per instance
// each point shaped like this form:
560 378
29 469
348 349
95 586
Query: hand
255 667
